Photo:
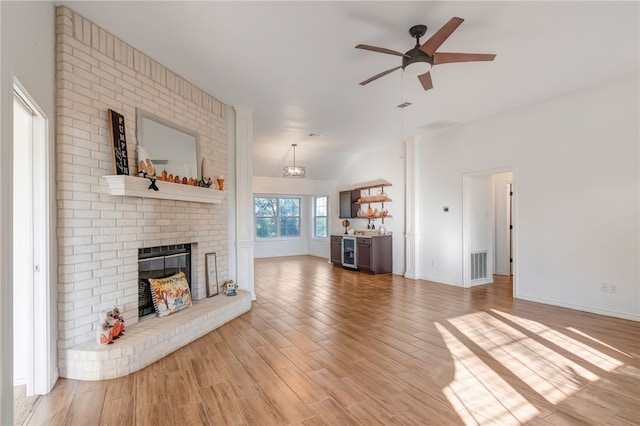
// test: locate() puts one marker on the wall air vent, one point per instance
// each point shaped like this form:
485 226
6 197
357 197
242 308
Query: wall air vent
404 104
478 265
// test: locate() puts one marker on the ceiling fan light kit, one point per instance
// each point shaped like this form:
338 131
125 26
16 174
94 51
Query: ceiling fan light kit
426 54
294 171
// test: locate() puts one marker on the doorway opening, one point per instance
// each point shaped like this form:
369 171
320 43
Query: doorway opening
488 227
32 323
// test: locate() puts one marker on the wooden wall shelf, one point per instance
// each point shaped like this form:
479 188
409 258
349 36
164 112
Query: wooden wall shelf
133 186
379 183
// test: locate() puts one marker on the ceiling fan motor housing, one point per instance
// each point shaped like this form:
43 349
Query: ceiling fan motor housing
416 55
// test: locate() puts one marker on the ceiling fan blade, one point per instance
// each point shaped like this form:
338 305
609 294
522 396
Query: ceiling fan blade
377 76
381 50
447 58
431 45
425 80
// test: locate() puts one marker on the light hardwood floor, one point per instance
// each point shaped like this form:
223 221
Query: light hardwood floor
327 346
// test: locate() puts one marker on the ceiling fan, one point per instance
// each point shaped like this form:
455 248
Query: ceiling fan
426 53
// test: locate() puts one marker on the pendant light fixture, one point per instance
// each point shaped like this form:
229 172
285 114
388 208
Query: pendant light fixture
294 171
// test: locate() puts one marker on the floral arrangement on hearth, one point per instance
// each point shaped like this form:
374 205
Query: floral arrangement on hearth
111 326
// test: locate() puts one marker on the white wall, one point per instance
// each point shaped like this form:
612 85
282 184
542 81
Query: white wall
28 49
576 195
306 189
479 225
384 163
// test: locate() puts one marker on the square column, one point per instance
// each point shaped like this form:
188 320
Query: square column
244 198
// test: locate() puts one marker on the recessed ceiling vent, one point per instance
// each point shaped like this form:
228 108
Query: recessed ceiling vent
440 124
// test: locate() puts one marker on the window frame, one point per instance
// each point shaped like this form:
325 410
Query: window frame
315 216
277 217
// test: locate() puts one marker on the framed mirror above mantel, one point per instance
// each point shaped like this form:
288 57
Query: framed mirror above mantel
173 150
170 147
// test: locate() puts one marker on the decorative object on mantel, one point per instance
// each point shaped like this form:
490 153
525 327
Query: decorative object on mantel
294 171
111 326
118 143
146 168
230 288
211 267
205 169
220 181
206 182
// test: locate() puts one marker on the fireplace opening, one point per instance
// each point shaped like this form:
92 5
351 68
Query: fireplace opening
160 262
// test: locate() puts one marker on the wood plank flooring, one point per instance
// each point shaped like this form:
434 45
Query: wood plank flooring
328 346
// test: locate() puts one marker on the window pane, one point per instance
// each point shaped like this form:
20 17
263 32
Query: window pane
289 226
321 206
321 227
265 227
265 207
289 206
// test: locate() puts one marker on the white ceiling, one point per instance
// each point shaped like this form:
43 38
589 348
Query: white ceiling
296 65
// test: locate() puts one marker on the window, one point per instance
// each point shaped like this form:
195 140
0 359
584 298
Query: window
277 217
320 219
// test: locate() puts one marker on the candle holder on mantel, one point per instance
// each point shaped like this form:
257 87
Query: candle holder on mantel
346 224
220 181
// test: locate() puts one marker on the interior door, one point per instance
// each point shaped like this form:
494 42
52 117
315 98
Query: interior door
510 233
22 245
33 323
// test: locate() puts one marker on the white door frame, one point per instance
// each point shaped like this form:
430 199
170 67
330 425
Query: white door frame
41 373
465 231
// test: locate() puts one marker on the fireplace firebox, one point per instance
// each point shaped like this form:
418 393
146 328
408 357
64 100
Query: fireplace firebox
160 262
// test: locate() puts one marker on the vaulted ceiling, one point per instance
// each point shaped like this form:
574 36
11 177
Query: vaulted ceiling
295 64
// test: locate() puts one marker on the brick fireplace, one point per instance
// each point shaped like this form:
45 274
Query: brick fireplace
99 234
159 262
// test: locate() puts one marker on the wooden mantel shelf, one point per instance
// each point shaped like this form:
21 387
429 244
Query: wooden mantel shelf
133 186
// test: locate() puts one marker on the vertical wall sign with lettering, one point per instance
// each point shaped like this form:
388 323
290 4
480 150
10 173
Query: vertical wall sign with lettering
118 143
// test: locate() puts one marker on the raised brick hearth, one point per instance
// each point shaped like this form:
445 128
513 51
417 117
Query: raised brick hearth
152 338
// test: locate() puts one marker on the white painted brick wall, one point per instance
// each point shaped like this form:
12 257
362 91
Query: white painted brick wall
99 234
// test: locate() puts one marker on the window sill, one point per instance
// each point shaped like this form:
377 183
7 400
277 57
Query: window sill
268 240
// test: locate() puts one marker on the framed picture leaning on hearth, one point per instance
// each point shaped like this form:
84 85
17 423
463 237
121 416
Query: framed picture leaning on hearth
211 268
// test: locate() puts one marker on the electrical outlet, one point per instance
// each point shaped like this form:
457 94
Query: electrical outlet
612 288
604 287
